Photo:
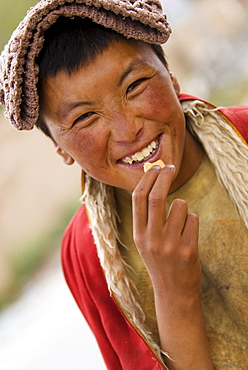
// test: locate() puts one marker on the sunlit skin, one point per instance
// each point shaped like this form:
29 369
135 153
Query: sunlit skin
113 108
107 111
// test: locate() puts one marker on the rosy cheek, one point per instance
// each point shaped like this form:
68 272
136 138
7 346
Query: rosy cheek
157 105
87 145
88 148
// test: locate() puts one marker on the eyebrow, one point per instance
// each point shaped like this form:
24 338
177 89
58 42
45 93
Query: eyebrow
134 65
68 107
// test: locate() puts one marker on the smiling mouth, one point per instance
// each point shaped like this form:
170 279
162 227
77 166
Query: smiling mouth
143 155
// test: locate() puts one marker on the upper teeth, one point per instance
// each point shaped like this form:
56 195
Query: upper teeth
143 154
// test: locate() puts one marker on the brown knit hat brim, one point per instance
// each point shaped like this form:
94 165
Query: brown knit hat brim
141 20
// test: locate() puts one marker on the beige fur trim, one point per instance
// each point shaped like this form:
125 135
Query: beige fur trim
225 149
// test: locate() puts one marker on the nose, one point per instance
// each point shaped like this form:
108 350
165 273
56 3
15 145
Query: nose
126 126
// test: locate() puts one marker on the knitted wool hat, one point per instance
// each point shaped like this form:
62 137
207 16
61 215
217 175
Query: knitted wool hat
138 19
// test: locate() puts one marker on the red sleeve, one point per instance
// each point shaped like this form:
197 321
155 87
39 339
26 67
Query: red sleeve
78 232
121 346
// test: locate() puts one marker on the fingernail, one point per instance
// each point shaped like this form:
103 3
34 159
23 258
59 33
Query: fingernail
156 167
170 167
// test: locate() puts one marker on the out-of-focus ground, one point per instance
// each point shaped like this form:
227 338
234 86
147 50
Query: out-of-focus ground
208 51
45 330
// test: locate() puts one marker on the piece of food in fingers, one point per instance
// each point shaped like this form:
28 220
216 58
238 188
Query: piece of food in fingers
149 165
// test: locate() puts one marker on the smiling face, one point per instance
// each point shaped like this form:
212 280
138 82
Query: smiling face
116 113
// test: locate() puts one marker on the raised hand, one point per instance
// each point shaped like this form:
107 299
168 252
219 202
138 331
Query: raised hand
168 245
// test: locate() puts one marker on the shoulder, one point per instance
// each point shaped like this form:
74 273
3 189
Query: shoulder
237 116
79 224
77 243
78 228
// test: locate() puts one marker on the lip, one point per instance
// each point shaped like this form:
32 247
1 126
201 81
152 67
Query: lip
153 158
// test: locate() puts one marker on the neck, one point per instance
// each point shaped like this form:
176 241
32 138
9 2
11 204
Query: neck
192 159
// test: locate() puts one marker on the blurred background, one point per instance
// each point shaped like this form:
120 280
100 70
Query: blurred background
39 321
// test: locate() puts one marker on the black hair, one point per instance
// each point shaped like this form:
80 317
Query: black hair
71 43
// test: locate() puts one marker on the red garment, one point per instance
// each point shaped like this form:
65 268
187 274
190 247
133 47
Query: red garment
121 345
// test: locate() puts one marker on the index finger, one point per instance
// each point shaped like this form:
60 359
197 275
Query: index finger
143 190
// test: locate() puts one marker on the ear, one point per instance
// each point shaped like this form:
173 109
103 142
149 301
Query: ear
175 83
66 157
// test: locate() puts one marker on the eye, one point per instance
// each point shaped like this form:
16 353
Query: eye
83 117
135 84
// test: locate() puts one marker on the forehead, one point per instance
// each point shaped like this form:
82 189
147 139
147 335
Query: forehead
117 53
119 60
